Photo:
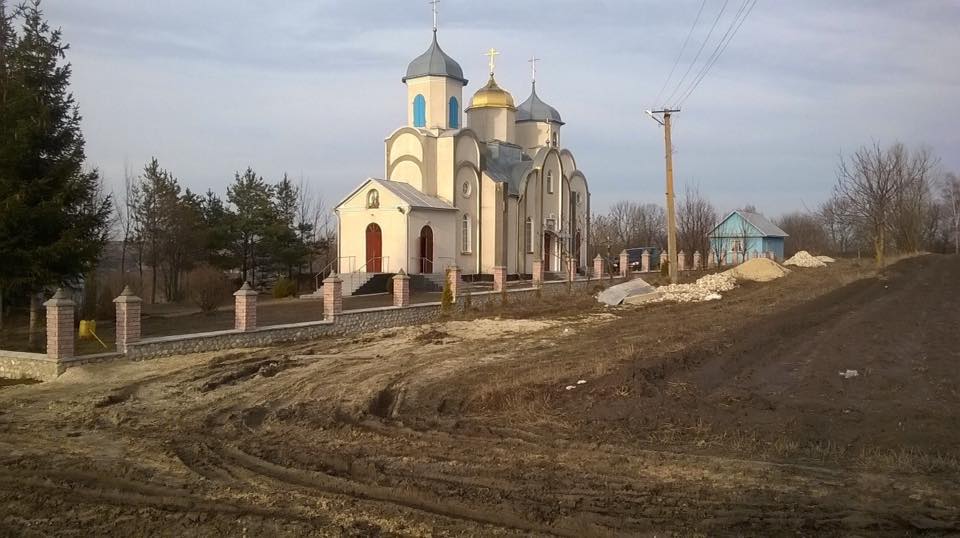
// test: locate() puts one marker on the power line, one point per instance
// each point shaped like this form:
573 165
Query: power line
682 49
718 53
720 43
699 51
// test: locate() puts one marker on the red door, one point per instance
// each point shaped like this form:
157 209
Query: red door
547 252
374 259
426 250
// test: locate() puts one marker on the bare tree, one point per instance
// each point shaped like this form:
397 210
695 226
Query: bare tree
806 232
951 201
915 219
868 184
696 217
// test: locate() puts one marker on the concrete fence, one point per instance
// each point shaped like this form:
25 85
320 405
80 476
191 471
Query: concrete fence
246 334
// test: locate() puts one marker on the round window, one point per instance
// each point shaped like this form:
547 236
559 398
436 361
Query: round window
466 189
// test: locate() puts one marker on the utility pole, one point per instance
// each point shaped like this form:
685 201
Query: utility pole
671 207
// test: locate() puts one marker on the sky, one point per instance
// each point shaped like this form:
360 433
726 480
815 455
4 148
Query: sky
312 87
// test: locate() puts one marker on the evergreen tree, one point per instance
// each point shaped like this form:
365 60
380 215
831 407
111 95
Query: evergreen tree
53 215
252 198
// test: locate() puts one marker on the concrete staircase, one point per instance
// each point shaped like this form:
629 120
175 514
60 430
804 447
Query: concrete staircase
427 282
352 282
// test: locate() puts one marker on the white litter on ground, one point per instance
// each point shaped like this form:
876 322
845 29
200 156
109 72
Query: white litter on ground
570 387
804 259
703 289
582 382
849 373
826 259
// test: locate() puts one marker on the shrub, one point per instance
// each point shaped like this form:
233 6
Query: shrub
446 299
284 288
208 287
665 268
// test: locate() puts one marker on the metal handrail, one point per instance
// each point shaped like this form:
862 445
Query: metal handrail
323 273
434 263
384 267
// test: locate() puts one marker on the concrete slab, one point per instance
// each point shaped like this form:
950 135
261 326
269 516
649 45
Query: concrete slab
615 295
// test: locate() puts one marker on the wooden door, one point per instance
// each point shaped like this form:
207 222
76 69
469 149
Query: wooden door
426 250
374 259
547 252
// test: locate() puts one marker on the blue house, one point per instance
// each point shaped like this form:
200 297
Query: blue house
743 235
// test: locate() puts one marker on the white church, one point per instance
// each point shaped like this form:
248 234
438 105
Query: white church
495 189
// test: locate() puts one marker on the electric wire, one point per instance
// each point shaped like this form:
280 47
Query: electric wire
699 51
719 53
683 48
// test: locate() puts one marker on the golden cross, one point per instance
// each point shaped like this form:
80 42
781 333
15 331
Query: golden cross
492 53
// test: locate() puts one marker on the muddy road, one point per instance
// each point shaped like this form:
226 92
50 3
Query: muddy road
722 418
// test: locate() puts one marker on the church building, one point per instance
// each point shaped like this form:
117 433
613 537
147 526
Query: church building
490 190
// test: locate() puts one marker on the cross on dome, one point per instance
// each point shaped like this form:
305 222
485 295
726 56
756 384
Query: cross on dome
492 54
533 62
434 4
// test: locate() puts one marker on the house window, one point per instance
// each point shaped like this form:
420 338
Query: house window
528 234
550 182
737 246
419 111
454 113
466 235
373 199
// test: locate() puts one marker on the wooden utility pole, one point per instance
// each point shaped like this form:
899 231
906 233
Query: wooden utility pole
671 206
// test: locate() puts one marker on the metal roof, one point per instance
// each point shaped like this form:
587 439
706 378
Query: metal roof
435 63
409 195
507 167
758 221
534 109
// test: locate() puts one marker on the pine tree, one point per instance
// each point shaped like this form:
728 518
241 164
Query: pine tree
53 214
252 198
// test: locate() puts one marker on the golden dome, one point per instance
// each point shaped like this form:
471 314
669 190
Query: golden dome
492 96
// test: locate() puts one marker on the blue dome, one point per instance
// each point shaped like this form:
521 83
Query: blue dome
435 63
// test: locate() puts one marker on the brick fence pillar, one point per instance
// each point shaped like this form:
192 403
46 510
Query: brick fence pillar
697 261
332 297
664 258
681 261
571 269
499 278
60 330
624 263
645 260
598 266
454 275
401 290
245 308
711 259
128 318
538 273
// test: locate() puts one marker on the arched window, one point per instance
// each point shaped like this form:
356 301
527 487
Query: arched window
556 139
550 182
528 234
454 113
373 199
419 111
466 235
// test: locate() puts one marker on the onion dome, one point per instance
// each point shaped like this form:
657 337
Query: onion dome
492 96
435 63
534 109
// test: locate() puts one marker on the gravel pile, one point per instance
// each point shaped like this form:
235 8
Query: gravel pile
705 289
758 270
804 259
826 259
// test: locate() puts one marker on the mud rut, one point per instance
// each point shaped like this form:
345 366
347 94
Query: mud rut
390 435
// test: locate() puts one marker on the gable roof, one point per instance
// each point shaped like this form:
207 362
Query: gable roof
762 224
408 194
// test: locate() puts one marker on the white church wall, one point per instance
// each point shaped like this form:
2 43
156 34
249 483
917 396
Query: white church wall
407 171
444 226
488 219
446 169
532 135
354 217
468 204
513 265
437 92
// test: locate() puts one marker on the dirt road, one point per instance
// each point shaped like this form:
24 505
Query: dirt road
723 418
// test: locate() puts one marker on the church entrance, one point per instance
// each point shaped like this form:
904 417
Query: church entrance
426 250
374 260
547 251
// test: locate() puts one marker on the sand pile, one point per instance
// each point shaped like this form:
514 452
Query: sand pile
758 270
804 259
826 259
705 289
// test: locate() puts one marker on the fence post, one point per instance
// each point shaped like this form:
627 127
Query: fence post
453 276
711 259
538 273
401 290
645 260
332 297
681 261
245 308
624 263
128 318
60 331
598 266
697 262
499 278
571 269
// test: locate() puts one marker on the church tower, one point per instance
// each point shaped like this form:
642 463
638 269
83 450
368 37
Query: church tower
434 90
538 124
492 113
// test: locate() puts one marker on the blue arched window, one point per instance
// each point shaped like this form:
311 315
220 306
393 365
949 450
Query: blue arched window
419 111
454 113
